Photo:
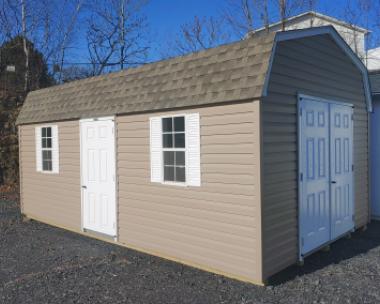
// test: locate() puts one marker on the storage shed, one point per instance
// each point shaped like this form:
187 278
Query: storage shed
375 144
240 160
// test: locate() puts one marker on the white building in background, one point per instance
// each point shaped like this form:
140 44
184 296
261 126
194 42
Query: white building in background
354 35
373 59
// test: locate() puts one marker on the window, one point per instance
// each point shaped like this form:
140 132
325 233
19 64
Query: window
47 154
46 149
174 148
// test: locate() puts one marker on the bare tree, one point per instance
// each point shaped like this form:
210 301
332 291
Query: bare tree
200 34
67 34
245 16
48 24
57 20
24 39
10 23
116 34
288 8
240 16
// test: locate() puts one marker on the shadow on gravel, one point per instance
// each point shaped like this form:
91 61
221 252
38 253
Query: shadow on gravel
360 243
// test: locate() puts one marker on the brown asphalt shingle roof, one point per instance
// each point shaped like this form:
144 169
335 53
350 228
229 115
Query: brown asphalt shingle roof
230 72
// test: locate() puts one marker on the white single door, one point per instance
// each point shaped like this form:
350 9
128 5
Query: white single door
314 175
342 208
98 176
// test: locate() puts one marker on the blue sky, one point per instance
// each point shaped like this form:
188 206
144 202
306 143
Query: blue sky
165 17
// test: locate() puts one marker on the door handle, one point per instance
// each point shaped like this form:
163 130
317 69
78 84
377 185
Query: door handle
333 182
84 187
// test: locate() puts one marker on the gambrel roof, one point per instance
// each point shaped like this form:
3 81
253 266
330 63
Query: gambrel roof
229 73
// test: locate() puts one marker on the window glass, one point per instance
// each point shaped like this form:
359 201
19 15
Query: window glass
47 160
46 149
174 147
179 140
179 124
167 125
180 174
169 174
167 140
180 158
168 158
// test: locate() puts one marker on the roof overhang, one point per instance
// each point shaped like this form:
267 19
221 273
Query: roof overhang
315 31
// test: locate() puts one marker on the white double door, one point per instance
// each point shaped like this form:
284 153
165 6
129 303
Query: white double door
98 175
326 203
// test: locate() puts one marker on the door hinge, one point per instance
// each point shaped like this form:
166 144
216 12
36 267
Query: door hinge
300 111
301 177
352 167
353 217
352 116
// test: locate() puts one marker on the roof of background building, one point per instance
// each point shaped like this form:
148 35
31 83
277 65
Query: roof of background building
313 14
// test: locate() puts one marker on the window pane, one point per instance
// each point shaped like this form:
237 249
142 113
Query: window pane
48 132
47 165
43 132
179 140
46 155
179 124
180 174
180 158
169 174
48 143
168 158
167 140
167 124
43 142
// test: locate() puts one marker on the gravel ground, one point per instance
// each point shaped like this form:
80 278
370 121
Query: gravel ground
43 264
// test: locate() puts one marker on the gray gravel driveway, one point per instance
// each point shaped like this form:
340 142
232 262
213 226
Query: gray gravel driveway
43 264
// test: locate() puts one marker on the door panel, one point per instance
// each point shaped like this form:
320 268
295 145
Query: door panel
315 205
98 176
341 170
326 204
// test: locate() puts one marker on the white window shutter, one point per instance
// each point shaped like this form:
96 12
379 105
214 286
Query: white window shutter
156 166
193 150
38 149
55 149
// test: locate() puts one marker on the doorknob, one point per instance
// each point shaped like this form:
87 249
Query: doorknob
333 182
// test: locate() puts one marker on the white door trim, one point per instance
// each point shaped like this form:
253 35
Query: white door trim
300 163
81 139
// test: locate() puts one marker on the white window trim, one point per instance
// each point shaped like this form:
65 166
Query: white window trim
39 149
190 181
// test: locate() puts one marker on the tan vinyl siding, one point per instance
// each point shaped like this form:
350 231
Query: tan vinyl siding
317 67
52 198
216 226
